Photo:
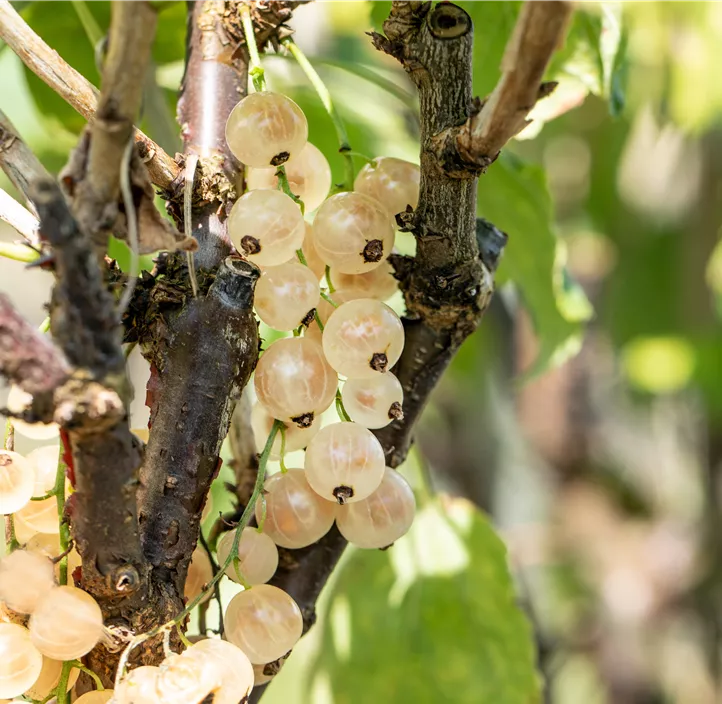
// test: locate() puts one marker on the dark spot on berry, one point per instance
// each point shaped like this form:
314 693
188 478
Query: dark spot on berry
250 245
343 494
280 158
303 421
308 318
373 251
395 412
379 362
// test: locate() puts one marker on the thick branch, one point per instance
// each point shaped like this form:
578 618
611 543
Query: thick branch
27 357
74 88
19 218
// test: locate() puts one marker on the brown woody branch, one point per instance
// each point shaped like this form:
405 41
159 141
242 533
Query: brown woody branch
73 87
449 283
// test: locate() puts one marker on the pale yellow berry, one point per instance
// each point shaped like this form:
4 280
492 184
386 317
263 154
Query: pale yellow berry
139 686
45 463
353 233
20 661
200 573
266 227
296 515
207 507
257 557
96 697
310 253
308 174
17 481
266 129
286 295
296 438
41 516
264 622
382 518
48 544
66 624
373 402
49 678
362 338
141 433
18 401
25 578
294 382
232 665
344 463
378 283
184 679
393 182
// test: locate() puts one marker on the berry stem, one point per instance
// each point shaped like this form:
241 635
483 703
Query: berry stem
325 96
284 469
340 409
45 325
285 186
61 693
77 665
329 283
328 299
256 71
301 257
59 493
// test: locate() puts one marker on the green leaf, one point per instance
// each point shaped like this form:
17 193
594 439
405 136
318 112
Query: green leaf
121 253
431 620
59 26
514 196
379 11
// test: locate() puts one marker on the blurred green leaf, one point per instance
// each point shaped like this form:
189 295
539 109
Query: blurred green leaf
379 12
432 620
121 253
170 36
514 196
58 24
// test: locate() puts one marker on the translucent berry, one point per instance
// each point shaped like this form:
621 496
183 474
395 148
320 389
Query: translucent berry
95 697
264 622
344 462
48 544
200 573
45 463
382 518
266 227
25 578
392 182
17 481
308 173
18 401
373 402
49 678
296 438
20 661
286 296
353 233
138 686
378 283
66 623
266 129
184 679
363 337
232 665
294 382
257 557
296 515
324 312
41 516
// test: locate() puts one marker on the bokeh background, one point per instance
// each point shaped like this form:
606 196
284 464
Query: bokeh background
583 420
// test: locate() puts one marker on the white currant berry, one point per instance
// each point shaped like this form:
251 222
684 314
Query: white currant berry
294 382
373 402
266 129
363 337
96 697
325 309
200 573
353 233
266 227
286 296
138 686
344 462
232 665
18 401
265 673
66 623
20 661
382 518
392 182
184 679
264 622
41 516
378 283
296 515
17 481
45 463
257 557
49 678
25 578
48 544
296 438
308 174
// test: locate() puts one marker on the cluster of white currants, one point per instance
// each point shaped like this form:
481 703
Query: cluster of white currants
345 330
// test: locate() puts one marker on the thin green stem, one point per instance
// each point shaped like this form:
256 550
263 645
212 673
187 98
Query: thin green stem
9 439
217 587
340 408
61 693
285 186
329 283
256 71
325 96
317 318
301 257
59 492
328 299
284 469
92 28
262 499
182 635
18 252
77 665
45 325
363 157
44 497
11 541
